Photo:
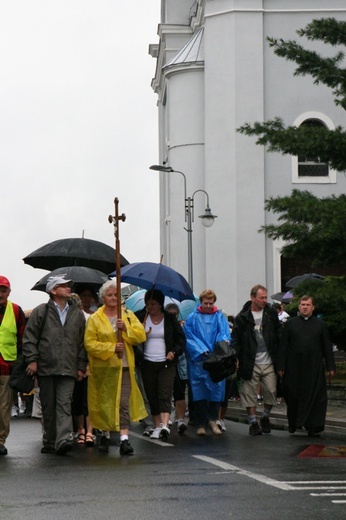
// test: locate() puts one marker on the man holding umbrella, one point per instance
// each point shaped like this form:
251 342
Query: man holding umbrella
54 350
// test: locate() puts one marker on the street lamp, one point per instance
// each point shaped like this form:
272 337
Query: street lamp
207 218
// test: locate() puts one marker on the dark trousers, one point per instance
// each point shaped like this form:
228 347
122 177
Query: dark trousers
56 398
205 411
158 380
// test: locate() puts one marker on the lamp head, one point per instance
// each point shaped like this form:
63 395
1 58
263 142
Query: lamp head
208 218
159 168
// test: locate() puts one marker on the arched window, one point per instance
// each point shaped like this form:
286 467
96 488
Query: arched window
312 166
311 169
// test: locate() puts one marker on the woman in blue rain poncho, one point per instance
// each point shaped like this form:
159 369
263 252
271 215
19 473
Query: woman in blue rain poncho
114 398
203 328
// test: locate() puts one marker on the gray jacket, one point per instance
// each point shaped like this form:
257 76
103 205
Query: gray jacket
60 350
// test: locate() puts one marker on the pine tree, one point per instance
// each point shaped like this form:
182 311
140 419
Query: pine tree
306 222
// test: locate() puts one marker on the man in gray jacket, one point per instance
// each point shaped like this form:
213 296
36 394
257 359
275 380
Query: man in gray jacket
54 350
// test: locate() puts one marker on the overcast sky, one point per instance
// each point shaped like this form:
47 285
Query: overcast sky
78 127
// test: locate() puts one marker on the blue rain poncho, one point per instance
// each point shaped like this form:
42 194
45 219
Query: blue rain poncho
202 331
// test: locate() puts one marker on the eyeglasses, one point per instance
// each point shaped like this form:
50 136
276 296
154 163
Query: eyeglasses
63 285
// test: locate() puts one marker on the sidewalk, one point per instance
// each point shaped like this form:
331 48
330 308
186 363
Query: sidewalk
335 421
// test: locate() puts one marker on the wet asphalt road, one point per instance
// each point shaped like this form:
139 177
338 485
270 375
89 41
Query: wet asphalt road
233 476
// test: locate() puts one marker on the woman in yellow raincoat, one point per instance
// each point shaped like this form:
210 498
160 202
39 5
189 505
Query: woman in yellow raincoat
114 399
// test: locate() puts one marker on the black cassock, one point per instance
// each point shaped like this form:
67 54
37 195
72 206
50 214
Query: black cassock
305 353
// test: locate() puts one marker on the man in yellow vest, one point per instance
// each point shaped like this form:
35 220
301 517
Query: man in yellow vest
12 324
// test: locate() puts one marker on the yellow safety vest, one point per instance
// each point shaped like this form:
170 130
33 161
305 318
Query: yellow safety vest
8 334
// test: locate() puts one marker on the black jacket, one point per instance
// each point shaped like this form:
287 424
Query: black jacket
244 339
174 335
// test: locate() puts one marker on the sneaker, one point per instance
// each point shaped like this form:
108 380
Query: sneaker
48 448
104 444
14 411
126 448
156 433
165 431
148 431
201 432
265 425
3 450
221 425
214 428
64 448
181 426
255 429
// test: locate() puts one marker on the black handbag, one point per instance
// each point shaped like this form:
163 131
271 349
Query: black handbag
222 362
19 379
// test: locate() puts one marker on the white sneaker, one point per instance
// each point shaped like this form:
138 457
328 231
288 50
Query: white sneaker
156 433
221 425
165 431
14 411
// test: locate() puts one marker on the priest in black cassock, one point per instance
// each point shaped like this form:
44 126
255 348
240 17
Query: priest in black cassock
305 354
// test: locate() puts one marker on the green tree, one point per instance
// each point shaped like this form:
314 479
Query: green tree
309 224
328 145
305 222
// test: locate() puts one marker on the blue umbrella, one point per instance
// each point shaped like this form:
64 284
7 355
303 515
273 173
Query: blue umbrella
157 276
287 297
135 302
188 306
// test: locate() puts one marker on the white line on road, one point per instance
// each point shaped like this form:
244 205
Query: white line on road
153 441
339 501
254 476
314 481
328 494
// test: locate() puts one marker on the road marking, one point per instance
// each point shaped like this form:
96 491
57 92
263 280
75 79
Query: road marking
254 476
153 441
285 486
314 481
328 494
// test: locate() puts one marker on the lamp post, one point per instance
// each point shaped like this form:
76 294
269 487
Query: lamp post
207 218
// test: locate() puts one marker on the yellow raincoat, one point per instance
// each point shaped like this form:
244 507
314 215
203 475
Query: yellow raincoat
105 370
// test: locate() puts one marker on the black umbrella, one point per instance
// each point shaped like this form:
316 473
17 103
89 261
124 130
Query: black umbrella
74 251
296 280
79 275
277 296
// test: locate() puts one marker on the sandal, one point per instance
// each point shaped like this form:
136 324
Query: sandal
89 440
81 438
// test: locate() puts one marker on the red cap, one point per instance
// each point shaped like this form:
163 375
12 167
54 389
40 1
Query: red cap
4 282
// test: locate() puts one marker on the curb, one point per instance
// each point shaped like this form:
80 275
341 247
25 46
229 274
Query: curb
278 420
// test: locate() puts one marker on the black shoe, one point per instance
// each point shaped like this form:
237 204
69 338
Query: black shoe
3 450
64 448
313 434
104 444
126 448
291 430
265 425
48 448
255 429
